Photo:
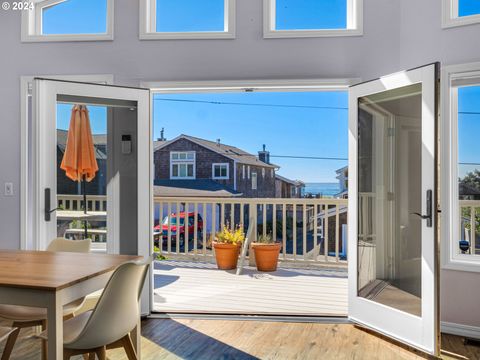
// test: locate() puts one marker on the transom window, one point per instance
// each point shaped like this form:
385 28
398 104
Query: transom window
460 12
182 165
312 18
220 171
187 19
59 20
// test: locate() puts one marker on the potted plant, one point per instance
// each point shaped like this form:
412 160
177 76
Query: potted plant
266 253
227 247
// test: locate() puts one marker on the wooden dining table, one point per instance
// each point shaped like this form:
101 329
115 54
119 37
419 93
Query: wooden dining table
52 279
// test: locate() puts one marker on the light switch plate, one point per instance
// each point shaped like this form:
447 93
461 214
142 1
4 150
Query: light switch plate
8 189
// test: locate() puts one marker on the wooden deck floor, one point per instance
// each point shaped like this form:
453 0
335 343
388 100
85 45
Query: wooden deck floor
242 340
200 287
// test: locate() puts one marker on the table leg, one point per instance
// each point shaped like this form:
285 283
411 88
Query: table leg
55 326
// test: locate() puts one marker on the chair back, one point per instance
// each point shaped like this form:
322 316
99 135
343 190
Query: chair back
117 311
64 245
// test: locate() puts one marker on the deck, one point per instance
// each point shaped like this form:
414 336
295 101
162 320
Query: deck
192 287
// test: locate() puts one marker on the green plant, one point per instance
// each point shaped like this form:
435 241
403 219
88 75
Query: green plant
265 239
159 256
231 236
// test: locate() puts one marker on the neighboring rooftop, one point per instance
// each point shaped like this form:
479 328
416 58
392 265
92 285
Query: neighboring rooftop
229 151
192 188
290 181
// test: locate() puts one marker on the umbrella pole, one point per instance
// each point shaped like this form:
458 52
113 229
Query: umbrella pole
84 206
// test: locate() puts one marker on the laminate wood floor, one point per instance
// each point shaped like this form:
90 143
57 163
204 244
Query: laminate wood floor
229 339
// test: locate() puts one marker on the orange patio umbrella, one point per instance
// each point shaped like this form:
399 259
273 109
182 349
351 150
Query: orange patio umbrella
79 161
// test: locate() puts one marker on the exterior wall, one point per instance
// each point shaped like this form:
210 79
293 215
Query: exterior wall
204 158
265 185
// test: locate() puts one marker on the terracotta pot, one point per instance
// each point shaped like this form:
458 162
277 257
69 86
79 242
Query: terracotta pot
266 256
226 255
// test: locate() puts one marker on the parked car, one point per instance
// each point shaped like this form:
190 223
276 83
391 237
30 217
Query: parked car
162 228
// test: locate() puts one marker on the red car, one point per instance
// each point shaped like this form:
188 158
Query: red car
173 226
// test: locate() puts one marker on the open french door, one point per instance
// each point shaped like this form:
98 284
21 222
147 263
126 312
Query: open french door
117 215
393 250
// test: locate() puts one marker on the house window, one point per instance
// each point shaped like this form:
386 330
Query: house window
182 165
243 172
248 171
460 12
254 181
294 191
58 20
312 18
462 163
263 173
272 173
220 171
187 19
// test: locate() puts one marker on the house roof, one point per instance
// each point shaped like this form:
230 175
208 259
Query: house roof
98 141
192 188
228 151
289 181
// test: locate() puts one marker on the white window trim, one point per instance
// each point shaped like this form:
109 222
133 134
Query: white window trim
32 25
185 161
450 16
148 25
221 177
243 172
354 23
248 172
254 176
449 157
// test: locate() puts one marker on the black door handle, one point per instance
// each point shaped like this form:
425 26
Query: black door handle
429 215
48 211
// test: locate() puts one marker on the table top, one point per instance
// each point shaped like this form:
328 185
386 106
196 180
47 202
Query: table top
54 271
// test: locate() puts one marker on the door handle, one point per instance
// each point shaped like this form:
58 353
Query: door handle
48 211
429 215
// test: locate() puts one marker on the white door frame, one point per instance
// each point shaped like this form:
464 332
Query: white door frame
44 105
419 332
26 85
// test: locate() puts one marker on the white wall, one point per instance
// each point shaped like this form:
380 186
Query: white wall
422 41
397 35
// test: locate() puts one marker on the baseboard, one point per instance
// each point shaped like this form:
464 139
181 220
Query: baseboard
461 330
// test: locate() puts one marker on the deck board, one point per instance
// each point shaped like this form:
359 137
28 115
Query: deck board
182 286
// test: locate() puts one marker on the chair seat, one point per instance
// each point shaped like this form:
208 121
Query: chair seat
71 328
28 313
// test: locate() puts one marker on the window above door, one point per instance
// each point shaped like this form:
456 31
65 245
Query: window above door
187 19
312 18
460 12
58 20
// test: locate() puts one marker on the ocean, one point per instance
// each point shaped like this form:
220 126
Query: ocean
324 189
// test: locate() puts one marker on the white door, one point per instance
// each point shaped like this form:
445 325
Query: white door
117 215
393 263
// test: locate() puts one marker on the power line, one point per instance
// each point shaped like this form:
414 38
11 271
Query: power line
468 163
307 157
253 104
469 112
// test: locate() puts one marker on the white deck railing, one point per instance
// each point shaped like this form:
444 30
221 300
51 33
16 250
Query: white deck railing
75 202
469 222
299 224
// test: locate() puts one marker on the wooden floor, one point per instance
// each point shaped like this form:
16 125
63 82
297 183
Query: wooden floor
227 339
182 286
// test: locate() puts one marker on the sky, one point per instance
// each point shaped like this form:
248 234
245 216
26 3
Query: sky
468 7
468 128
299 124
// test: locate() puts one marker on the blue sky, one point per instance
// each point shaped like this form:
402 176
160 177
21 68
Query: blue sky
306 129
468 128
310 14
468 7
76 17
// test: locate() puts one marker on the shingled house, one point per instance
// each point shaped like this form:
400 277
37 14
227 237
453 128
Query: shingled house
191 166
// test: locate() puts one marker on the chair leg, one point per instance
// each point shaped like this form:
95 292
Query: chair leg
44 342
12 338
67 354
91 356
129 349
101 353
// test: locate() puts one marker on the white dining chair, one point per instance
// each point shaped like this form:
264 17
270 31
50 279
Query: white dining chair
115 316
26 316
